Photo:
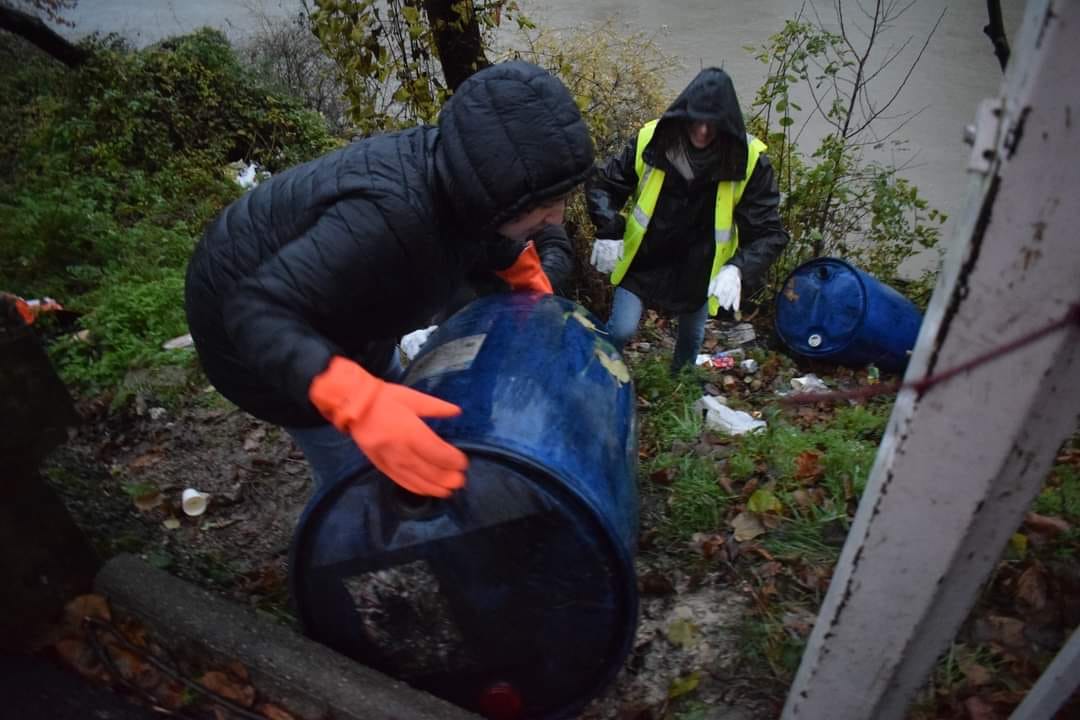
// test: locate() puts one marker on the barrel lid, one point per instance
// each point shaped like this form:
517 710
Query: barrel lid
513 581
821 307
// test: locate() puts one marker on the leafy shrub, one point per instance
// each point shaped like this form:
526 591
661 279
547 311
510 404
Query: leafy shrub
114 170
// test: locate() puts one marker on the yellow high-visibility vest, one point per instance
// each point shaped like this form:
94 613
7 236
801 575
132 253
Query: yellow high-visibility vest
650 180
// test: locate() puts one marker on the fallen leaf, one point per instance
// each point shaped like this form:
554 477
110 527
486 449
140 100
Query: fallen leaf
254 438
171 523
802 499
1006 631
708 545
681 633
273 712
148 501
84 606
1031 590
145 460
747 526
979 709
1018 545
976 675
228 688
682 686
727 483
238 670
1046 524
770 569
764 501
134 669
654 583
666 476
808 467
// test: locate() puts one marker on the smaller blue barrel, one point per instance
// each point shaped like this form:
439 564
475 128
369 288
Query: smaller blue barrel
830 310
516 597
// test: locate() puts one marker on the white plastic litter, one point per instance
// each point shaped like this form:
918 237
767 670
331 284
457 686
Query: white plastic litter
194 502
719 416
739 334
247 175
750 365
178 343
605 254
412 343
810 383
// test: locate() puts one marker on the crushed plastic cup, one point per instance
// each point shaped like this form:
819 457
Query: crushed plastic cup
194 502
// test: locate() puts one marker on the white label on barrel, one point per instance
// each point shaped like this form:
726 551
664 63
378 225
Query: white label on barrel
451 357
814 340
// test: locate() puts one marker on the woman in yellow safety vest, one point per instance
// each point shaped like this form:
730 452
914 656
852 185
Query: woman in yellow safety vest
702 223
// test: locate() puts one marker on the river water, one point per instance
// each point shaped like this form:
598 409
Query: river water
957 69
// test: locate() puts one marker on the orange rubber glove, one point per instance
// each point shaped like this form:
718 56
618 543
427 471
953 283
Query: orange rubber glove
384 420
526 273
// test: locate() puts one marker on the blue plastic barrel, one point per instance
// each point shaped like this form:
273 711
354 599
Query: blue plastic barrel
517 596
830 310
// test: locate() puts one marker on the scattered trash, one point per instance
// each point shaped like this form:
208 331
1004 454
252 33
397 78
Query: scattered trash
194 502
721 360
178 343
873 375
247 175
171 523
750 365
719 416
810 383
739 334
412 343
156 413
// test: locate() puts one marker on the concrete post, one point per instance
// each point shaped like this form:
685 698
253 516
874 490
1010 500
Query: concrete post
959 466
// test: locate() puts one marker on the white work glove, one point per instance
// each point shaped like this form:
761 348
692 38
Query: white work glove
606 254
726 287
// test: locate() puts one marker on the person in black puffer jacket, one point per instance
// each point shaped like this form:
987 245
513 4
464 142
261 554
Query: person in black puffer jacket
704 222
298 292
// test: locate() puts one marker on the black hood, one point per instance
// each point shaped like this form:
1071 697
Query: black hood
511 137
710 97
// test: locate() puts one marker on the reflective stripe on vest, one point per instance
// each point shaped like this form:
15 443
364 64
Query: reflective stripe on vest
647 193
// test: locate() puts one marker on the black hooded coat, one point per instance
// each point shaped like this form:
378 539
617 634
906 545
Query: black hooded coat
671 268
346 253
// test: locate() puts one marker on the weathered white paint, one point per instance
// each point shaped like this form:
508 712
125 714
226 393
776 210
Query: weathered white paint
1055 686
959 466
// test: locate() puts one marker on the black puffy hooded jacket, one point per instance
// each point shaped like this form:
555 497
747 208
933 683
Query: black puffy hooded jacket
671 268
345 254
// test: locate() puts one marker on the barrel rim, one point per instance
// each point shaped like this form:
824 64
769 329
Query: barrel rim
625 562
800 347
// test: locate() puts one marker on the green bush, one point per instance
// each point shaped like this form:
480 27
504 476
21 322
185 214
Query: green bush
111 172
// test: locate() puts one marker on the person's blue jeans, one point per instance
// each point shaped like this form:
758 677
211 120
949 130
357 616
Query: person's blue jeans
626 309
328 451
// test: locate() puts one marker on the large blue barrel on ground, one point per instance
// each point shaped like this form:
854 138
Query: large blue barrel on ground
830 310
517 596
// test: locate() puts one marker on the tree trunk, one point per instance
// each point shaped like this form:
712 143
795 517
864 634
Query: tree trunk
461 52
31 28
